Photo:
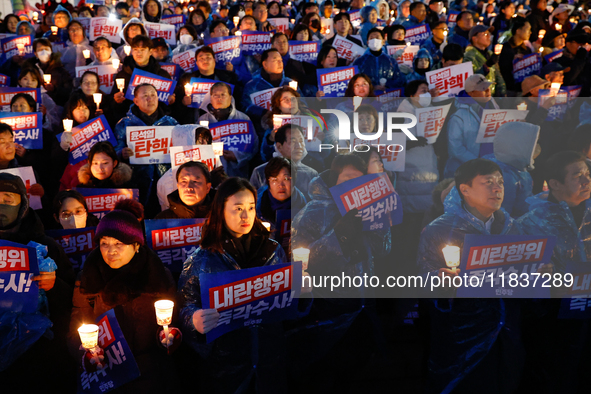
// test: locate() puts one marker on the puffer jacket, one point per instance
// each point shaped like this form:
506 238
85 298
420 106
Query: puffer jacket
238 357
514 146
376 4
492 74
550 218
131 292
120 177
461 346
415 184
378 67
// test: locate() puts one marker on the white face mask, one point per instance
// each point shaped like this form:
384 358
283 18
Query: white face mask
75 221
425 99
44 55
375 44
186 39
241 14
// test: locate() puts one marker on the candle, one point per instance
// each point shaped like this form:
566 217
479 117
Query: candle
120 84
293 85
53 29
188 89
541 49
164 310
115 63
498 49
238 33
408 44
301 254
277 122
267 225
445 33
522 107
558 27
554 88
127 50
21 48
292 21
68 123
98 97
86 53
236 19
204 123
35 16
541 34
191 9
47 78
357 102
88 336
451 254
383 81
444 10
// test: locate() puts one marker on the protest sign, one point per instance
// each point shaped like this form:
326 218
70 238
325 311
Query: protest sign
526 66
105 27
492 119
255 43
177 21
346 49
77 243
558 110
334 81
18 265
237 135
498 262
182 154
430 121
7 93
417 35
120 365
452 18
4 80
576 301
186 60
281 25
28 176
269 292
552 56
102 201
393 151
226 49
450 80
283 229
174 240
27 128
262 98
166 31
408 53
86 135
355 17
106 75
164 87
375 198
10 47
174 70
200 88
390 99
150 144
85 22
304 51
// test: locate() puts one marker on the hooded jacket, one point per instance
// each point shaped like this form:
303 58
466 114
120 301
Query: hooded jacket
148 18
493 74
514 146
376 4
252 353
179 210
265 209
416 75
126 40
61 33
239 167
131 291
119 179
366 26
378 67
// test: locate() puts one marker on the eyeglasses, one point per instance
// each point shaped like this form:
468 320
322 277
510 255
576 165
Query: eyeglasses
275 181
67 215
89 83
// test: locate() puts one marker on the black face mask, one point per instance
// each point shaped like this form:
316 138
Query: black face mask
220 114
315 24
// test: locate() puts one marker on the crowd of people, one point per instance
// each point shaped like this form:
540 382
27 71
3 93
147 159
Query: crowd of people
532 179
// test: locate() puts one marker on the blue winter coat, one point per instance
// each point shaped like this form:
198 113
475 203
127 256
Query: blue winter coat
433 50
456 38
366 26
236 356
257 84
421 54
150 173
466 328
411 21
378 67
549 218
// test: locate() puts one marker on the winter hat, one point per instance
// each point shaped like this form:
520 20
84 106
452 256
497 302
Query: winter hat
532 82
12 184
477 30
121 224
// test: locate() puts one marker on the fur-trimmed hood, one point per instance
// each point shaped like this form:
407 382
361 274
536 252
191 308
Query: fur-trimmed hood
120 176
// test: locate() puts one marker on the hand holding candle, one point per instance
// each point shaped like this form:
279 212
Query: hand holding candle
164 310
54 30
451 254
120 84
188 89
236 19
68 123
303 255
86 53
47 78
541 34
115 63
98 97
88 336
498 49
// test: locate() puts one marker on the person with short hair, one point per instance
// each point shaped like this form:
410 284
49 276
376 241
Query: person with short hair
72 55
576 58
472 207
103 52
452 55
418 13
484 61
461 31
433 43
160 50
516 48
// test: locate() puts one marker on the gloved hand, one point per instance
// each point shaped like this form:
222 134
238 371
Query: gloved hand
173 341
93 360
494 59
421 141
66 141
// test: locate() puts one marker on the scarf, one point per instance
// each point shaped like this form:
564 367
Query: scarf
220 114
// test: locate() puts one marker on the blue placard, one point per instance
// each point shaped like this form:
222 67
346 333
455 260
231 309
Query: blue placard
578 303
255 42
77 243
497 257
7 93
558 110
452 18
283 228
225 49
235 134
173 69
417 34
553 56
27 128
375 198
201 87
4 80
304 51
389 100
120 365
86 135
177 20
102 201
334 81
251 296
174 239
164 86
18 265
10 47
526 66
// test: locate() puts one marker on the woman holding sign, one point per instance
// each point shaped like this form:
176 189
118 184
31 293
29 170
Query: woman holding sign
233 239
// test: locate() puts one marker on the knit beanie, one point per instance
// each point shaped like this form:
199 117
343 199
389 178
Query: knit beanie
122 225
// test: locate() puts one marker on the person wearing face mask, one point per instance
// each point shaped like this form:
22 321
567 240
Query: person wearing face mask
312 21
484 61
186 39
369 16
219 106
378 65
422 63
193 196
70 211
47 62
